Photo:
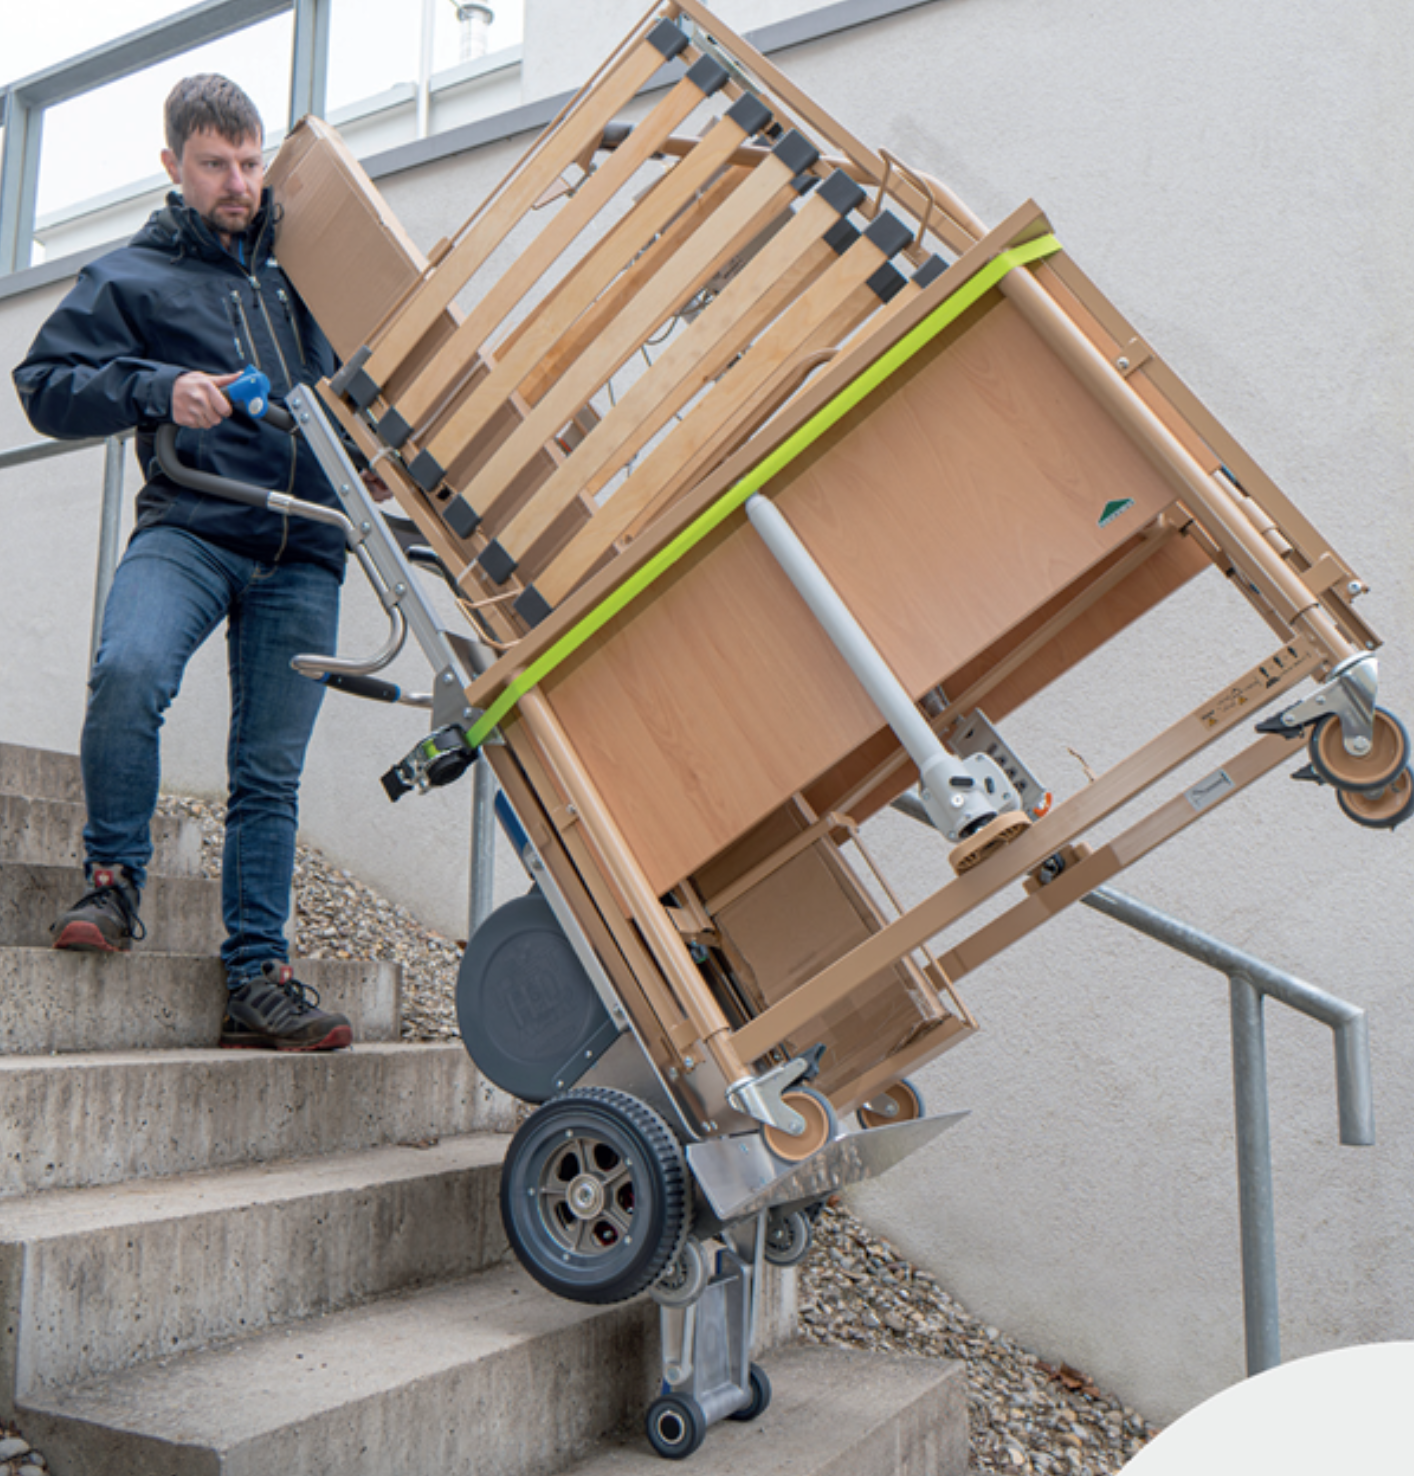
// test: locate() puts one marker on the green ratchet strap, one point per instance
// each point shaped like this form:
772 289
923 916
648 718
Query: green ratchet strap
923 333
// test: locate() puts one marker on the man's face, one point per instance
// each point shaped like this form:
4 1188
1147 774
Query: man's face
219 179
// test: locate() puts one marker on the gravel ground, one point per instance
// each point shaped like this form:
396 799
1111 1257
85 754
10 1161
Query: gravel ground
1024 1414
856 1291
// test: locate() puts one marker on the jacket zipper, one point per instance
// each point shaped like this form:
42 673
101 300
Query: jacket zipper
270 329
294 324
242 359
249 336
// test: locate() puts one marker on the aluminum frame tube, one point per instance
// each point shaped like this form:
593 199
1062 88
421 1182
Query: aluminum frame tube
109 529
937 768
483 844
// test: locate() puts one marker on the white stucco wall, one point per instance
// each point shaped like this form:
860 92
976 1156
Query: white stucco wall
1236 179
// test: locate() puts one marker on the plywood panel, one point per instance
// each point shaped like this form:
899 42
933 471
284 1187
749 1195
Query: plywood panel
972 492
948 508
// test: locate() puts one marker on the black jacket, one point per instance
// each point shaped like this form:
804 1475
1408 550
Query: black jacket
174 299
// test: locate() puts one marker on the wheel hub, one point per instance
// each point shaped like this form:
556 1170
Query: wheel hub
586 1197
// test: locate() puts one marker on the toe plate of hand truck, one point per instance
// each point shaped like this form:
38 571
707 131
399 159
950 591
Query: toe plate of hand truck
740 1176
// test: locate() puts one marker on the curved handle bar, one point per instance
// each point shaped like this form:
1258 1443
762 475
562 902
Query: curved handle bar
283 503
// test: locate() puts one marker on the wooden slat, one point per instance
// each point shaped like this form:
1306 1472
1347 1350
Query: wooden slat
656 258
527 345
750 405
756 408
838 289
551 242
760 198
789 261
581 129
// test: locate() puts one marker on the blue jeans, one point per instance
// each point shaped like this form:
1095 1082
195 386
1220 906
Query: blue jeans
170 591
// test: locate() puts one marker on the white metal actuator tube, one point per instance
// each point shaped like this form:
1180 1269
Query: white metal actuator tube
950 793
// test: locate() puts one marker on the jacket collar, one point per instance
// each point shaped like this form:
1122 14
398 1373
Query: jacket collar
178 228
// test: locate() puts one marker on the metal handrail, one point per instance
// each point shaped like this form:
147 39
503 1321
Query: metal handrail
1250 981
43 450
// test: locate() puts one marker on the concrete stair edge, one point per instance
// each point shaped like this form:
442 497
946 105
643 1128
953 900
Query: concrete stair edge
182 914
390 1386
53 1002
397 1387
93 1281
49 832
104 1117
40 773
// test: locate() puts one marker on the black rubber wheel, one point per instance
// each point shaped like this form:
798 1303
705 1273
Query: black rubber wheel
1385 809
760 1396
789 1234
1389 752
676 1426
594 1195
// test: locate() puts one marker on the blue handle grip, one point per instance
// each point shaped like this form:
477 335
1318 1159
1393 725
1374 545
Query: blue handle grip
251 392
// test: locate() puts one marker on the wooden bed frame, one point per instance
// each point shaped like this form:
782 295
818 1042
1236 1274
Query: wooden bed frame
991 468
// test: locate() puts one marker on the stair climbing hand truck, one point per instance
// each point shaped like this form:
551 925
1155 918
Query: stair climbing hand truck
769 481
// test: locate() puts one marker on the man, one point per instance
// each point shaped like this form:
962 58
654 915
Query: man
154 332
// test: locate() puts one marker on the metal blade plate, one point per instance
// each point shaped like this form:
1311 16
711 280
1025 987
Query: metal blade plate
741 1176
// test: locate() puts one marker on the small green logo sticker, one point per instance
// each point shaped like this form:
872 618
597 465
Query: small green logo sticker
1114 509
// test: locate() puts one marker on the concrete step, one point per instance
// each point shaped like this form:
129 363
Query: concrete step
94 1281
488 1375
53 1003
101 1118
45 832
181 914
832 1413
40 773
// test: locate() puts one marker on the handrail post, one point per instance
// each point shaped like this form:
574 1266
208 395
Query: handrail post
483 844
109 528
1256 1211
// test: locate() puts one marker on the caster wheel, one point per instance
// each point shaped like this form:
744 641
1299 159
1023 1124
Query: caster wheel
760 1396
676 1426
992 837
595 1196
685 1278
821 1125
903 1097
789 1234
1383 809
1389 753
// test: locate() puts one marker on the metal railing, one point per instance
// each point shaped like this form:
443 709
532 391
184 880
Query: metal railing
1250 982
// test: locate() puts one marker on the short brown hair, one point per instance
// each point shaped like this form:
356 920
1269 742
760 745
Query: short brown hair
209 103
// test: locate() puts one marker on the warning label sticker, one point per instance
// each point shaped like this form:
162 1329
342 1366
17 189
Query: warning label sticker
1253 687
1210 790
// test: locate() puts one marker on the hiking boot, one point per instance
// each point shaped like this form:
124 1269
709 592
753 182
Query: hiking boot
277 1012
104 919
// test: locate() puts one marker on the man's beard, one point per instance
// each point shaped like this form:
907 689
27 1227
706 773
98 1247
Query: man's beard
228 225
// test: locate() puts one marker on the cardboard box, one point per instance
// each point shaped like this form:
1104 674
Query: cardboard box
338 242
